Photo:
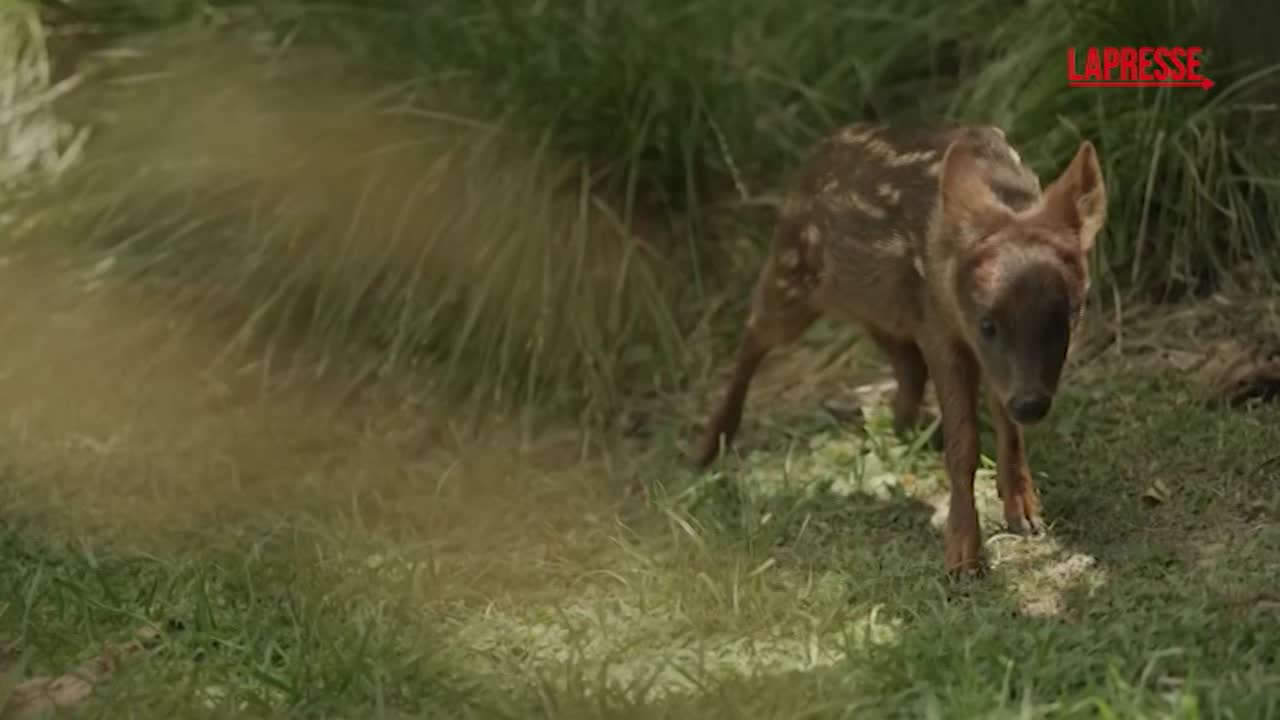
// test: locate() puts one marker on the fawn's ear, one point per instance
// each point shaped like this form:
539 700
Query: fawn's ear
970 210
1077 199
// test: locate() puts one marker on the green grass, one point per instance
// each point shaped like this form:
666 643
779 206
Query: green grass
248 628
682 107
1127 610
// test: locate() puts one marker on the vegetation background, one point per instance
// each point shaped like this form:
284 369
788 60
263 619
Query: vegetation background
670 126
402 316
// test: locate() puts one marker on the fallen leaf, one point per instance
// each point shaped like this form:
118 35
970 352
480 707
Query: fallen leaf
39 697
1157 493
1184 361
1239 373
148 634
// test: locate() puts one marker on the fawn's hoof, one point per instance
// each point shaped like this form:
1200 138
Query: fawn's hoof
971 570
708 452
964 559
1027 526
1022 514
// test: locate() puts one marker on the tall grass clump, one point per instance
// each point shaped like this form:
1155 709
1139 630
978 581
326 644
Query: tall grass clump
680 106
288 199
676 106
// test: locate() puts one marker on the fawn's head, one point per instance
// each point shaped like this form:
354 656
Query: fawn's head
1020 276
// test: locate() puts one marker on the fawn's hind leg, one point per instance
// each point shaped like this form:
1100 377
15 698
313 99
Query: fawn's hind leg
780 313
911 372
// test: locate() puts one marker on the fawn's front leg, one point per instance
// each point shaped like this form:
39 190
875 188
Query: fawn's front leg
1013 474
956 377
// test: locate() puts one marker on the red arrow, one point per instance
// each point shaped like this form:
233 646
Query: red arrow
1204 83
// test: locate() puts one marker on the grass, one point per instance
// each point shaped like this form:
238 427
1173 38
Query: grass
551 297
295 293
649 140
726 109
34 140
248 628
794 582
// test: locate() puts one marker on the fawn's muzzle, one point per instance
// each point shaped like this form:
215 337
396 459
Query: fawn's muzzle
1029 408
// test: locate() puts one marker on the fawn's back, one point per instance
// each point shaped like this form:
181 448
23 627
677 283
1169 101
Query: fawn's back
852 237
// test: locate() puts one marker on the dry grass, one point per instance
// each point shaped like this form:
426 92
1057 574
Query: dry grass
120 414
33 141
278 193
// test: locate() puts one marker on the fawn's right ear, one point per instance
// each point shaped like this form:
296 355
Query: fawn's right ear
970 210
1077 199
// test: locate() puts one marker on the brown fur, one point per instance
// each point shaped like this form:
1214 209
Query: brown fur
942 246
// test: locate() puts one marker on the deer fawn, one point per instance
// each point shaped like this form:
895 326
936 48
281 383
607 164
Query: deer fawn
941 245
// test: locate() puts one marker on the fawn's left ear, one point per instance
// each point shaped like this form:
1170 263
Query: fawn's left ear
970 210
1077 199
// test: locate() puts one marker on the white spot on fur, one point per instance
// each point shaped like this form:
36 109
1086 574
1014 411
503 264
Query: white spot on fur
912 158
863 205
856 134
893 158
897 245
795 204
889 193
880 148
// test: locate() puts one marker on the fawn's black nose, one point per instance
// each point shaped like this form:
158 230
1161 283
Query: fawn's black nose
1029 408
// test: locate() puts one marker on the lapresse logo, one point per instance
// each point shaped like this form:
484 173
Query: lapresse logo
1128 67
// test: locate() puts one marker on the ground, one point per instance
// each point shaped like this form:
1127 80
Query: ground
272 543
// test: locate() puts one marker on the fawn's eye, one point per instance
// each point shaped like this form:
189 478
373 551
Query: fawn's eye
987 327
